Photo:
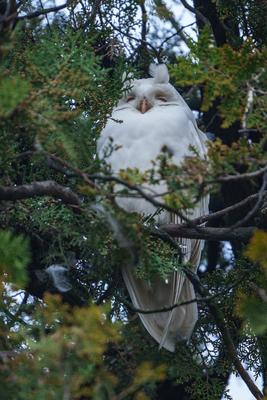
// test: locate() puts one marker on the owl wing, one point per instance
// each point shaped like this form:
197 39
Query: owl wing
167 328
139 144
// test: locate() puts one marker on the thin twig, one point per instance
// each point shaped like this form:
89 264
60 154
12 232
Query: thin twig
160 310
141 192
175 24
183 303
226 210
176 33
133 37
247 175
252 212
79 172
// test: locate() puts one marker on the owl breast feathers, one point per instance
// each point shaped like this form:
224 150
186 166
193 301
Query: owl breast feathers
153 115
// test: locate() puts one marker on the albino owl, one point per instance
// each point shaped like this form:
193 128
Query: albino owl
152 115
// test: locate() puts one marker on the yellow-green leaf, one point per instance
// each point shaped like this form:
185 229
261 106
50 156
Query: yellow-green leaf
257 249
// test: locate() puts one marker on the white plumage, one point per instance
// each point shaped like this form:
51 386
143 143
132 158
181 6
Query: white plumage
154 115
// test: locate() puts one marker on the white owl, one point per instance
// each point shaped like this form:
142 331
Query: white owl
152 115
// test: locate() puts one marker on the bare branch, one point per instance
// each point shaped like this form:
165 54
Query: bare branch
196 12
184 303
44 188
95 6
79 172
142 193
175 33
175 24
160 310
144 21
140 40
247 175
189 228
212 234
227 210
45 11
256 206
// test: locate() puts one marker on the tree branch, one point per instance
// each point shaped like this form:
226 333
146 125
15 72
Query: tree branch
247 175
184 303
197 232
196 12
189 228
227 210
141 192
252 212
44 188
77 171
226 336
160 310
169 16
45 11
212 234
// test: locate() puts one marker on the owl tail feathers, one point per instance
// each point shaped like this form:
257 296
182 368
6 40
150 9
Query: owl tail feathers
169 327
182 320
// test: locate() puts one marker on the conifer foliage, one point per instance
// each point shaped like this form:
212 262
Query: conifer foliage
68 329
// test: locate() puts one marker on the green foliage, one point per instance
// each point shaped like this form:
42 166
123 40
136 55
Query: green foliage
252 304
228 73
62 353
255 312
226 160
53 77
257 248
12 92
15 256
157 259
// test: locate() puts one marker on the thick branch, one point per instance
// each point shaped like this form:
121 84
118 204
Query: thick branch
213 234
196 12
44 188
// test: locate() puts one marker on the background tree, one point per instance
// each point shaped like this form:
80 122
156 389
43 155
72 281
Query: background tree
62 233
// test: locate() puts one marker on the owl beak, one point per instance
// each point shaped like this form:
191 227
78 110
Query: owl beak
144 106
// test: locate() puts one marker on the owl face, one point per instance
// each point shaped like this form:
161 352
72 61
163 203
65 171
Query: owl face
143 95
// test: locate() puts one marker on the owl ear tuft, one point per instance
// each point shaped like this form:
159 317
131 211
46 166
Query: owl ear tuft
159 73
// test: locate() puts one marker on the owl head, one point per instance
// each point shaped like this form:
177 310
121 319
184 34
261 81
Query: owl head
142 95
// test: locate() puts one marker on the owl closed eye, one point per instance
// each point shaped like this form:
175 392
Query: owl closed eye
144 97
